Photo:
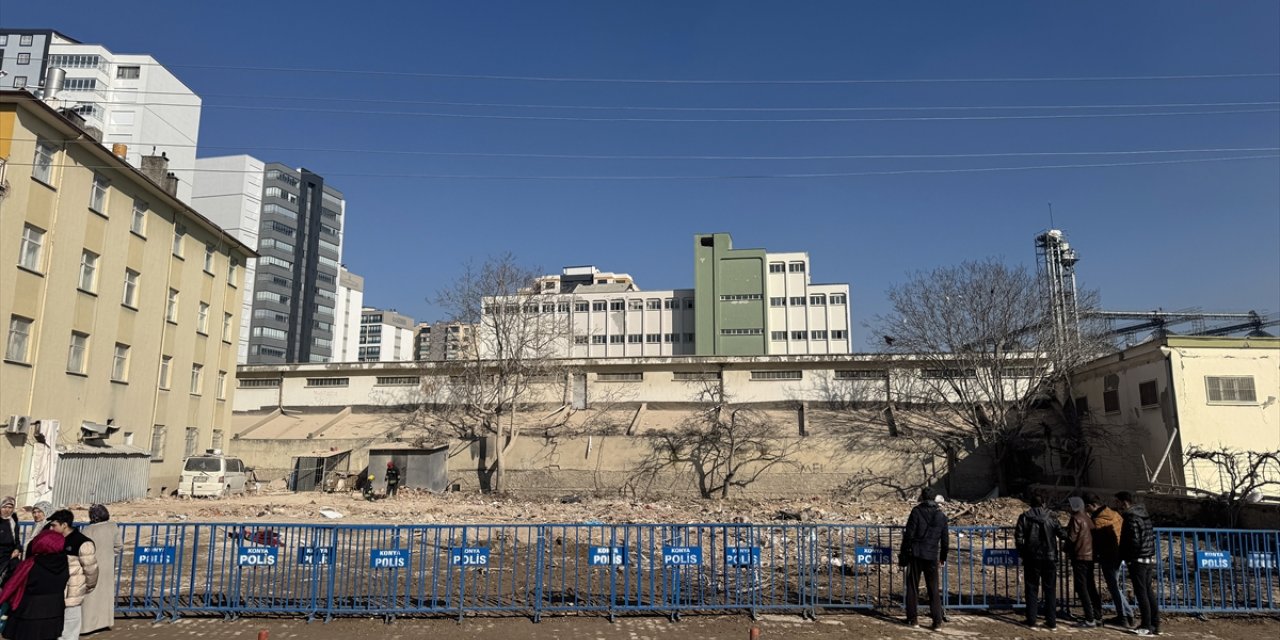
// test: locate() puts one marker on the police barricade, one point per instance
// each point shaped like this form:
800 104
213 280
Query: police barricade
1211 570
149 578
854 566
983 570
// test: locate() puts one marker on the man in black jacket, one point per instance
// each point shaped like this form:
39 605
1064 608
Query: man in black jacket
1138 550
924 549
1036 537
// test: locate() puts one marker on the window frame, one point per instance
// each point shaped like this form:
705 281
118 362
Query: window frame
132 288
44 162
171 306
138 219
80 351
88 266
120 363
1237 390
165 381
28 324
197 378
24 248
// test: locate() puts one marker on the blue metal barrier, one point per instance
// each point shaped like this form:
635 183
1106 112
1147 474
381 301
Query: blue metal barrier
168 570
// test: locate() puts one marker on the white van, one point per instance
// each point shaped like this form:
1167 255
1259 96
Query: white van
212 475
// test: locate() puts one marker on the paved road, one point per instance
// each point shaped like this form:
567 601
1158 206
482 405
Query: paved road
689 628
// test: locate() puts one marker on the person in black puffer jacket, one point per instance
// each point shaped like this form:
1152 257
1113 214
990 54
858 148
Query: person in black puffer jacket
10 538
1138 550
1037 536
924 549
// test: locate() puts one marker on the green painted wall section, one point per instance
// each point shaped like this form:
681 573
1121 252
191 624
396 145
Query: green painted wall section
720 270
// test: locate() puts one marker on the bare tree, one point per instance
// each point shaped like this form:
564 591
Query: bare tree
984 346
724 445
511 377
1243 475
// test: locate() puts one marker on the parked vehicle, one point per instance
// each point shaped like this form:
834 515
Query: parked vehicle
212 475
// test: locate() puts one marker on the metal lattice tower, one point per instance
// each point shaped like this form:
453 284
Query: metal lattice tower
1056 268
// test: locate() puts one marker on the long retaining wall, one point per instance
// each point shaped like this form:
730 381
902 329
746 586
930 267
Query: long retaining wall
322 571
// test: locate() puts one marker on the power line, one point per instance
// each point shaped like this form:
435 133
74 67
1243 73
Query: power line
774 176
591 156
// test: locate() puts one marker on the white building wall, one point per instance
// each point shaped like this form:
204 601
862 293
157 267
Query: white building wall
229 192
804 318
346 322
152 113
599 329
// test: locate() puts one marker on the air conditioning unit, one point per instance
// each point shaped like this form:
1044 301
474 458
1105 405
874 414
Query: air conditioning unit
18 424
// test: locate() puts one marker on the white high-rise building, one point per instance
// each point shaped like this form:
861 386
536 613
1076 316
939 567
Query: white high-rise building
131 98
386 336
347 317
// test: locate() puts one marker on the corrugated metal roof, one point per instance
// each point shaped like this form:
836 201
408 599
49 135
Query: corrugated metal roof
81 448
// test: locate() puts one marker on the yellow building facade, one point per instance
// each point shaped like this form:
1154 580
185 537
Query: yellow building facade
119 308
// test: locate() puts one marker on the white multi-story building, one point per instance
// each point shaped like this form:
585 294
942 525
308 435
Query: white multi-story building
386 336
804 317
130 98
347 317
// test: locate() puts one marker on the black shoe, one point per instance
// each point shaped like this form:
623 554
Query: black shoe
937 626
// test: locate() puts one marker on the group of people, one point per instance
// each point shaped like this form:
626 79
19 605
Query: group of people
1096 536
60 584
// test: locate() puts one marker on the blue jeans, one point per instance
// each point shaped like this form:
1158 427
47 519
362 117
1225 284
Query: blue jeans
1111 573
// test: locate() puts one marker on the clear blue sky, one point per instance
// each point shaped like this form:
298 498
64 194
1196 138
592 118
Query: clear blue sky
1171 235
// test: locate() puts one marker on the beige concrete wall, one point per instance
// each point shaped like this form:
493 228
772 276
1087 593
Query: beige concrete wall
41 386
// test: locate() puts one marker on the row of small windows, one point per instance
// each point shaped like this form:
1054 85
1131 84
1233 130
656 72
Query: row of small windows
821 334
738 297
636 338
817 300
18 348
781 267
581 306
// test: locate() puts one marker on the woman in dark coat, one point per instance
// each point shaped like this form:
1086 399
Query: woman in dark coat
35 592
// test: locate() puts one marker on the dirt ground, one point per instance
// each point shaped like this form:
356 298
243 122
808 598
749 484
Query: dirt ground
457 508
772 627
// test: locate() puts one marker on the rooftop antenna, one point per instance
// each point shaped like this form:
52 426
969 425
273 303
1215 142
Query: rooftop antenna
1051 216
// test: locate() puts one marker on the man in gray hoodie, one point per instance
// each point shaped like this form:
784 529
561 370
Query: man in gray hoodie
1037 536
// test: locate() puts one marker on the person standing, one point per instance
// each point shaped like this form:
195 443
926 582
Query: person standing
1080 547
1138 550
10 538
82 568
1106 555
34 593
98 609
393 479
1036 537
924 548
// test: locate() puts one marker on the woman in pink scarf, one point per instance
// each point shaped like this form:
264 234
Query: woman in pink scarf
34 594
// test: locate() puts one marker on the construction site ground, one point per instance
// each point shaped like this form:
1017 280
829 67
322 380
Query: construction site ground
771 627
412 507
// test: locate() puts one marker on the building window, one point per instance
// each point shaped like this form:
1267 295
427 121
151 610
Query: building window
130 289
653 304
88 271
197 378
31 248
177 242
1148 394
128 72
120 364
634 338
548 307
777 335
837 298
777 375
208 259
98 194
671 337
171 307
157 443
192 442
1111 401
616 305
597 339
166 371
688 337
635 305
138 223
226 327
42 167
818 300
694 376
948 374
397 381
581 305
777 267
580 339
233 266
796 267
15 348
634 376
328 382
19 82
778 302
741 332
26 40
737 297
1082 406
653 338
817 335
797 301
861 374
76 352
216 441
271 383
839 334
616 339
202 318
599 305
799 335
1230 389
668 304
222 385
24 58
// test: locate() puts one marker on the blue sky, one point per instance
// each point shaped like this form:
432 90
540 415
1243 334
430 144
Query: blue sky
1168 235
